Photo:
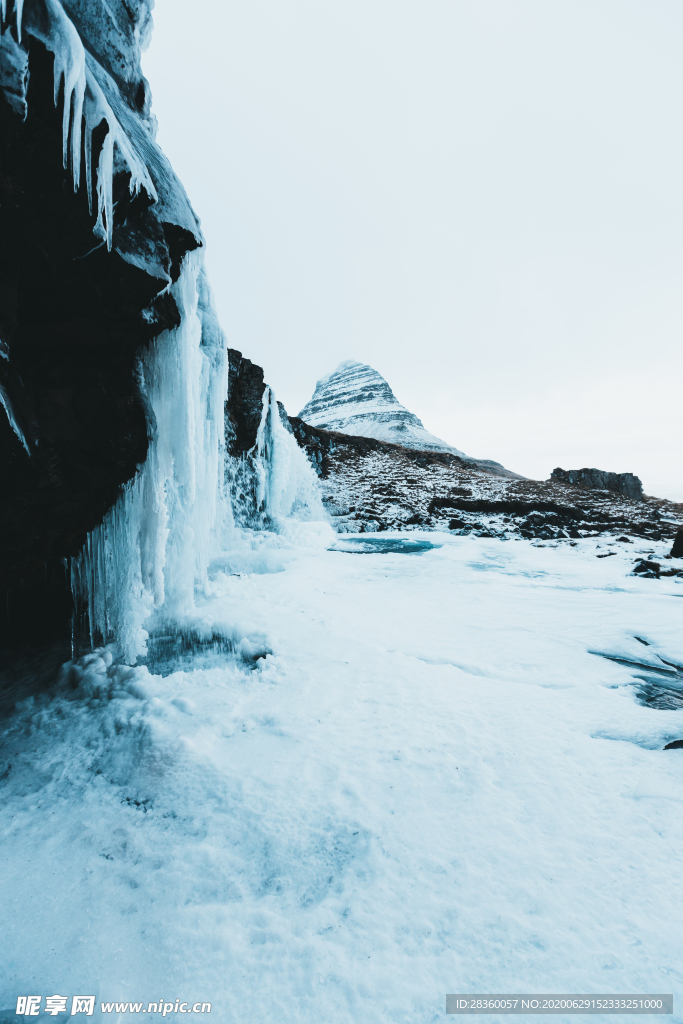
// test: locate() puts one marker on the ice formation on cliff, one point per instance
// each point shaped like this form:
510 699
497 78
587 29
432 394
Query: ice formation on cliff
140 566
157 538
82 83
183 509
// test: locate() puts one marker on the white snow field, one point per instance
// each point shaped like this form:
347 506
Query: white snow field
430 785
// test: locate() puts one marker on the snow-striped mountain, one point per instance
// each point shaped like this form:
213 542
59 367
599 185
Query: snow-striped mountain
355 399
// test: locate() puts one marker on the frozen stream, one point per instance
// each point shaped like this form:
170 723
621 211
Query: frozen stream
430 785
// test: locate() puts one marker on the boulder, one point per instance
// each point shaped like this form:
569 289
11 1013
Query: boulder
677 549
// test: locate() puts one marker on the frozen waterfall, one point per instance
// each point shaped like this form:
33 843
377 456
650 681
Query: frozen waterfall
191 500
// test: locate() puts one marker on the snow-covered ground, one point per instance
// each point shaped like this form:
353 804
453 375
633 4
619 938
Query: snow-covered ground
431 785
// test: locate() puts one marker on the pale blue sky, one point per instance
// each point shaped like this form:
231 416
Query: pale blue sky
481 198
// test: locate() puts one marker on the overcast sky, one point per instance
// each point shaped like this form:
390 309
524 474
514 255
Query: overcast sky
483 199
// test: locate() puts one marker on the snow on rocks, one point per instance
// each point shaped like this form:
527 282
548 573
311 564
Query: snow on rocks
370 485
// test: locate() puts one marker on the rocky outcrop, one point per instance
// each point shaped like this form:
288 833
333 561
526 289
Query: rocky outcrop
369 485
598 480
244 404
112 361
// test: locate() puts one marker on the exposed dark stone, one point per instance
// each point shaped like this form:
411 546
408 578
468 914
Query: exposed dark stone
597 479
284 418
677 549
648 569
244 406
676 745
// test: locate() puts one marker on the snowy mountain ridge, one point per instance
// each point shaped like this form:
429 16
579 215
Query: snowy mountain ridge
356 399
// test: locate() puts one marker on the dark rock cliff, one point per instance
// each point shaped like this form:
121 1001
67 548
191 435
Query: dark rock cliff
73 315
244 406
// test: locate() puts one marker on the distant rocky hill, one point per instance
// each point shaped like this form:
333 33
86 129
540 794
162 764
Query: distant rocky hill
370 485
357 400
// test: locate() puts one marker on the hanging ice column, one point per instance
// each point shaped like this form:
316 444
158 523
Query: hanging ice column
157 541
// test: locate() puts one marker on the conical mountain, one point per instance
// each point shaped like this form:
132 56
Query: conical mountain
355 399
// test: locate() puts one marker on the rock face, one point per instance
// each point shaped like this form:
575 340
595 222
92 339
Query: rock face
357 400
597 479
244 405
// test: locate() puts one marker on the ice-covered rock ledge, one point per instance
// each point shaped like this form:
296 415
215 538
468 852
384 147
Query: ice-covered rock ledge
134 446
95 227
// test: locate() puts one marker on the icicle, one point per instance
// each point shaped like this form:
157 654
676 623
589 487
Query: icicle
96 110
7 406
19 9
46 21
